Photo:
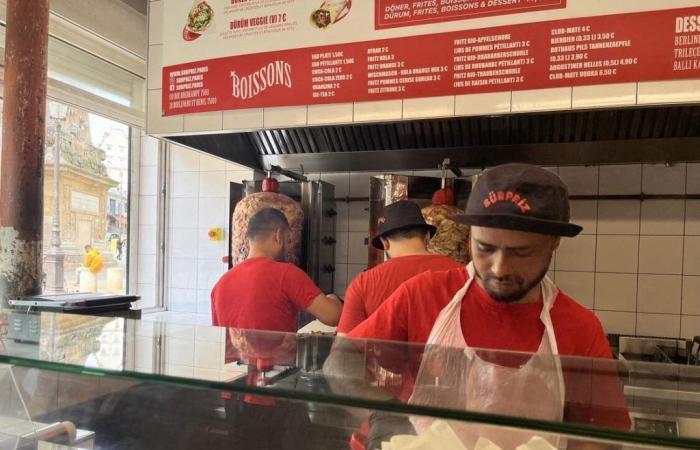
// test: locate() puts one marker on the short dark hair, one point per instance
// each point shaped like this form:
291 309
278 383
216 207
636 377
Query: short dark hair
406 233
265 221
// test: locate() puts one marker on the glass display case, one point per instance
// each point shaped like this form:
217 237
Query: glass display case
113 383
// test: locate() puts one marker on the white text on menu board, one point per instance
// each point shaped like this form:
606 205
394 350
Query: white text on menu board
573 53
686 49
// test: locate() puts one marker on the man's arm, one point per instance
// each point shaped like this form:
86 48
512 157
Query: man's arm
353 308
326 308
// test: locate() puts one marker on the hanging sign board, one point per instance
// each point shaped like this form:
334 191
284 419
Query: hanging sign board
235 54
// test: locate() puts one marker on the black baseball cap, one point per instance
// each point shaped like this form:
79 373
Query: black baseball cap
520 197
400 216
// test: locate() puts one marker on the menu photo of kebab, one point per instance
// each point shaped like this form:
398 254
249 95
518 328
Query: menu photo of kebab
199 20
330 12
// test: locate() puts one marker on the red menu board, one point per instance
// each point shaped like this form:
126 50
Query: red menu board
644 46
401 13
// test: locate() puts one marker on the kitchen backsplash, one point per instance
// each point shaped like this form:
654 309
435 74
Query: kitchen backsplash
636 264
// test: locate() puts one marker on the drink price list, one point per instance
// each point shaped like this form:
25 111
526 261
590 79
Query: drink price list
633 47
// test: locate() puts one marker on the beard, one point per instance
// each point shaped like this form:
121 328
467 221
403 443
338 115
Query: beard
522 287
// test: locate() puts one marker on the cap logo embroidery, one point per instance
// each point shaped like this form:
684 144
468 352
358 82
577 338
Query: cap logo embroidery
381 220
507 196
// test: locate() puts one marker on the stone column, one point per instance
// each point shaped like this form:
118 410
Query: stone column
22 162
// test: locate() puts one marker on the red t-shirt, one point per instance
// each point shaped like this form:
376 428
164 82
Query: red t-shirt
262 294
370 289
593 392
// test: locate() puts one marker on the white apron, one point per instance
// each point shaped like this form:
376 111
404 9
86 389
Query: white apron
452 375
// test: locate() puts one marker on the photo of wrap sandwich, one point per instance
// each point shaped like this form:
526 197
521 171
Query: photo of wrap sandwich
330 12
198 20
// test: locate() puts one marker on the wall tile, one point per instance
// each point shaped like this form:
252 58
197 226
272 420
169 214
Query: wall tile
207 374
237 176
482 104
659 179
691 296
183 330
691 260
208 272
147 240
605 95
359 183
357 250
659 294
615 292
209 163
340 279
183 243
576 254
147 292
354 270
341 248
692 217
541 100
183 273
378 111
663 92
341 181
149 151
182 300
213 212
184 184
617 254
147 268
342 219
148 180
183 212
578 285
693 182
621 179
359 216
206 121
288 116
615 322
618 217
205 333
690 326
208 355
580 180
330 114
204 306
418 108
658 325
148 205
155 124
143 356
243 119
213 184
661 254
585 213
208 249
175 370
184 159
663 217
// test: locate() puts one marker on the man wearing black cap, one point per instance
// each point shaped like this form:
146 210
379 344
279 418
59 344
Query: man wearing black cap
503 300
404 235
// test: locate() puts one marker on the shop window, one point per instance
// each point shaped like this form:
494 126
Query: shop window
86 211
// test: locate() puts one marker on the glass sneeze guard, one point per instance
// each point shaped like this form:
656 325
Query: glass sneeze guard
262 368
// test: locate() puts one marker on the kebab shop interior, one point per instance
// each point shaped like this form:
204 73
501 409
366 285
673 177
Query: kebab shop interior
350 225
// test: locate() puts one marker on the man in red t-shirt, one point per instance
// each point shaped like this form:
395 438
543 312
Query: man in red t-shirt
403 234
265 293
503 301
